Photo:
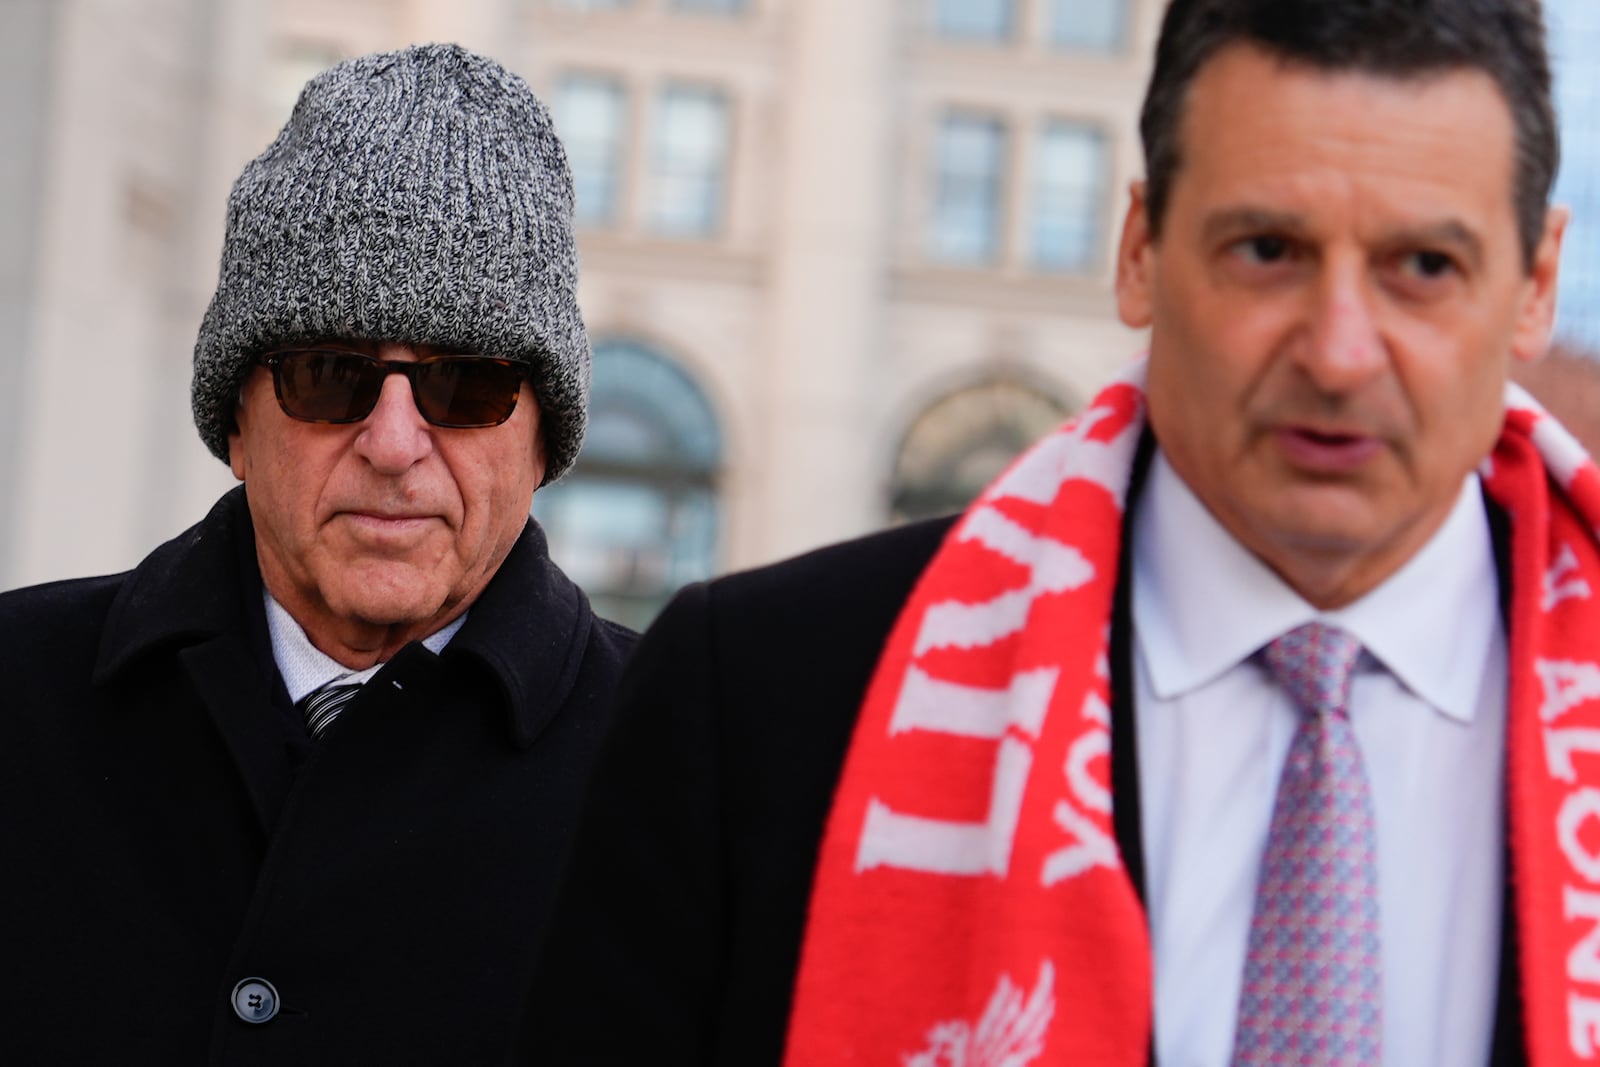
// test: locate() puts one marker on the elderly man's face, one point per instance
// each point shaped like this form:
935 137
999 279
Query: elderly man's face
376 532
1334 302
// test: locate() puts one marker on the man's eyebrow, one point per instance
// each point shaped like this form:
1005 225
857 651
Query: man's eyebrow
1448 233
1234 221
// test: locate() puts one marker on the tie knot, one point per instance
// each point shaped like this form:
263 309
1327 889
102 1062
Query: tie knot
1314 663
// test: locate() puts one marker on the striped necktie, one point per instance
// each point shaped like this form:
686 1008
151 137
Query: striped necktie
322 706
1312 990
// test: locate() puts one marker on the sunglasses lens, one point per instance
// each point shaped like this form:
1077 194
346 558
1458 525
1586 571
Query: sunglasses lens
466 391
453 391
328 386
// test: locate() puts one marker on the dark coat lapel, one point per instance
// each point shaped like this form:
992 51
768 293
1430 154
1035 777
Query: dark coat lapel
530 629
201 595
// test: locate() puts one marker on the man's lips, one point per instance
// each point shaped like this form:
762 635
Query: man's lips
1321 451
378 523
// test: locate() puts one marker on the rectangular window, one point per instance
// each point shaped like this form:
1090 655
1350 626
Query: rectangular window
591 114
1068 197
688 161
1088 25
982 20
970 169
715 7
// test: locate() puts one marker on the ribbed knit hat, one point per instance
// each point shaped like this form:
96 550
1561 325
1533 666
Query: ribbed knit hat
419 197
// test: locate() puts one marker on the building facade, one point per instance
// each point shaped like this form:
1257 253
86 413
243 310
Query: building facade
1574 38
840 260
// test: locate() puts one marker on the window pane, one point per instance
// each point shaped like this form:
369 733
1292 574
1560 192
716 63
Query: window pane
961 443
966 209
645 410
630 545
1574 35
687 160
720 7
989 20
1098 25
591 115
638 516
1068 197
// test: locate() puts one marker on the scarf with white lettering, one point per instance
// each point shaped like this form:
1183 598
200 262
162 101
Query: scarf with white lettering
970 907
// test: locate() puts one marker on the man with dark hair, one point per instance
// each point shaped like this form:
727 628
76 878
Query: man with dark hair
297 789
1251 718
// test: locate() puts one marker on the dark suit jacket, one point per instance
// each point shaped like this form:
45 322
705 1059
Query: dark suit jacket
678 933
168 829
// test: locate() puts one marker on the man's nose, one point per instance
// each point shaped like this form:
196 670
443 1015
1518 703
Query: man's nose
1344 344
395 435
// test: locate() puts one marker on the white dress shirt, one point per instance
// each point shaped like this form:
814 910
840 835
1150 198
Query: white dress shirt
306 668
1428 710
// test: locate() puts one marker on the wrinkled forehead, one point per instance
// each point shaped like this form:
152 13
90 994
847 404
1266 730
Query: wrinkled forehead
1254 118
1250 73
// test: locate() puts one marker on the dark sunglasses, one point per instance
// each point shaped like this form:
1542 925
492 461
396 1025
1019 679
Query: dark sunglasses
458 392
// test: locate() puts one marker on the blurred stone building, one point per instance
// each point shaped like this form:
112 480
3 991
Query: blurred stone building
1574 43
1568 380
841 258
1567 383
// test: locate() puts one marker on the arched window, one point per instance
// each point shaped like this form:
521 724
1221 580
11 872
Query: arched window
636 518
962 441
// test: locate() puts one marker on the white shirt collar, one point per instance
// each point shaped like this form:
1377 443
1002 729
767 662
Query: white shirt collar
1203 603
306 668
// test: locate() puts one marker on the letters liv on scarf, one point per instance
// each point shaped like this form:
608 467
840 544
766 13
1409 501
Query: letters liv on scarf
970 908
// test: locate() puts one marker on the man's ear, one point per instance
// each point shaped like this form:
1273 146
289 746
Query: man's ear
541 454
1134 266
1536 319
539 464
237 457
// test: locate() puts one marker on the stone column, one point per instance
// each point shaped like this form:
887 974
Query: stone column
828 275
28 29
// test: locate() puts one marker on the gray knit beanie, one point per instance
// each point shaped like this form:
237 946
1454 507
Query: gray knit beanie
420 197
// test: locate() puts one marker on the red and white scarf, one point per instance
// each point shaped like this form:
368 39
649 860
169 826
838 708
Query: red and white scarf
970 907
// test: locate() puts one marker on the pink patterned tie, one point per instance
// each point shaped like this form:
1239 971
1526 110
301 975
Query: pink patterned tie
1312 992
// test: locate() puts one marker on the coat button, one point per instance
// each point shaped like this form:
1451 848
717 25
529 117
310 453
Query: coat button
254 1000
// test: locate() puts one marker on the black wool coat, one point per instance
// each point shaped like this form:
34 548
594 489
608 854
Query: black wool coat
168 829
677 935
